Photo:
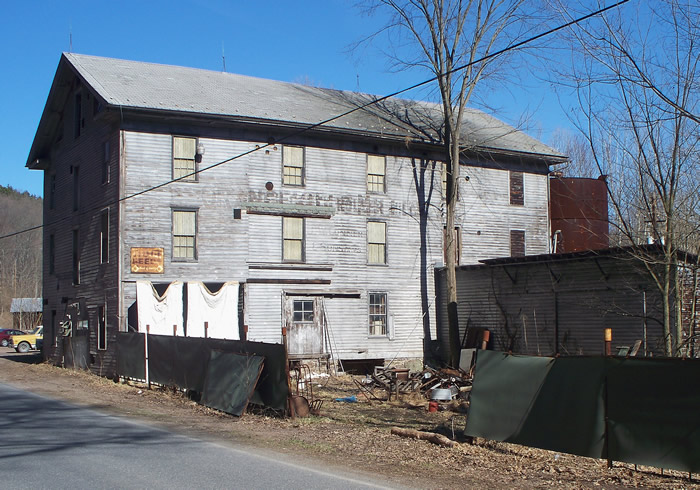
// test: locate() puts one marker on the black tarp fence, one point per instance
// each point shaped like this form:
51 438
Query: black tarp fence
636 410
184 362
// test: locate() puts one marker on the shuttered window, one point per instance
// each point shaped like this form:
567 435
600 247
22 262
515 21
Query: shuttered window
293 165
376 171
184 150
517 243
293 239
377 314
184 234
517 189
376 242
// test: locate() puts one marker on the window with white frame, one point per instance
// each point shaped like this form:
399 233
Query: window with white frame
293 239
303 311
184 158
376 173
376 242
184 234
377 314
293 165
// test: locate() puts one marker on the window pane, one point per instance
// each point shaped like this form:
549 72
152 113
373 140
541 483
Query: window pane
377 314
292 250
375 173
376 242
293 162
184 147
184 234
184 157
375 165
293 228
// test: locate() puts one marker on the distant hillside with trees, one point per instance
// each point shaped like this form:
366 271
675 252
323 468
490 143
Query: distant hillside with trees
20 255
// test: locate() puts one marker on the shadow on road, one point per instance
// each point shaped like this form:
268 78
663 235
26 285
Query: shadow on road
33 357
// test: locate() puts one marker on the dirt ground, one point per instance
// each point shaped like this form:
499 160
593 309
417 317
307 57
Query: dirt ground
351 436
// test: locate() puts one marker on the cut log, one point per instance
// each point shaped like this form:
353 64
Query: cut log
438 439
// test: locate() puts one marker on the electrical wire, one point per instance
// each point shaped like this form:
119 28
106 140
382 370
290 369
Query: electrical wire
326 121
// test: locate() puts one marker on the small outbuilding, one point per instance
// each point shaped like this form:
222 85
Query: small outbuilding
27 313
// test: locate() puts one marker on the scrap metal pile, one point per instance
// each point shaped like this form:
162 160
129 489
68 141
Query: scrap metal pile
434 384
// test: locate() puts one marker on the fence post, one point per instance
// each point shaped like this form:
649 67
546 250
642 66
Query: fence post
608 341
206 330
145 349
174 330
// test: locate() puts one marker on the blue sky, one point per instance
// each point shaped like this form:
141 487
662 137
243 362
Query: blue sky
307 40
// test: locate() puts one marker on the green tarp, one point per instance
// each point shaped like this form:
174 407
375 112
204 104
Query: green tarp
561 404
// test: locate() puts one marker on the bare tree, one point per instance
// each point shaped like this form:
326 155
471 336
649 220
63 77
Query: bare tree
440 36
639 99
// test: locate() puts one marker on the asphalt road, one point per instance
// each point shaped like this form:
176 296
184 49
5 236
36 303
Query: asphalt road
45 443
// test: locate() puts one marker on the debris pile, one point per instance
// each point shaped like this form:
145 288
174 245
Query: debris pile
434 384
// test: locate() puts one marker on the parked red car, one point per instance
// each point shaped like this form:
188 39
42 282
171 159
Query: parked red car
6 333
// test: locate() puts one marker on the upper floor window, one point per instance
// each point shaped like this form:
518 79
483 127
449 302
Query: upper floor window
376 242
377 314
184 234
184 158
376 173
517 243
517 189
293 165
293 239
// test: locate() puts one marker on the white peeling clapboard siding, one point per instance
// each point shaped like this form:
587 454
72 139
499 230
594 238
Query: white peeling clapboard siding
229 249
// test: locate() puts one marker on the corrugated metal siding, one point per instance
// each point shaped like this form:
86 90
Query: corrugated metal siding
558 307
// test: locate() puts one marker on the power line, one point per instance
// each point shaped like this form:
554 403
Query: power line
331 119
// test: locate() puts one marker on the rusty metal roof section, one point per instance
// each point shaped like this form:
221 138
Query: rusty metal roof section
579 213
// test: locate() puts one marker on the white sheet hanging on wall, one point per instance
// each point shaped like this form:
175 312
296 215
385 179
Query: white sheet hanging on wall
160 312
219 310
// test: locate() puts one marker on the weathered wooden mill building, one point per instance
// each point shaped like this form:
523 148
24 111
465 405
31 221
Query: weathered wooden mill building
317 212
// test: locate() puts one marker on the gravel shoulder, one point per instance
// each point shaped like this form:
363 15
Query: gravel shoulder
346 437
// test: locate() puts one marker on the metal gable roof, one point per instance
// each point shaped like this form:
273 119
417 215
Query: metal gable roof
150 86
26 305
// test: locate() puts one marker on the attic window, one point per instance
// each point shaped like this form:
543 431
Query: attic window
184 153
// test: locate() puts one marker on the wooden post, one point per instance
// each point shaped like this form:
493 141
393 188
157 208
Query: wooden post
174 330
290 405
485 339
608 341
245 332
145 353
206 330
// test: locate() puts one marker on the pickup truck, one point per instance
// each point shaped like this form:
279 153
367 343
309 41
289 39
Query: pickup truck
27 342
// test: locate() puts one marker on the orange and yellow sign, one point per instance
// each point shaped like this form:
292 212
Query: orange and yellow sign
147 260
